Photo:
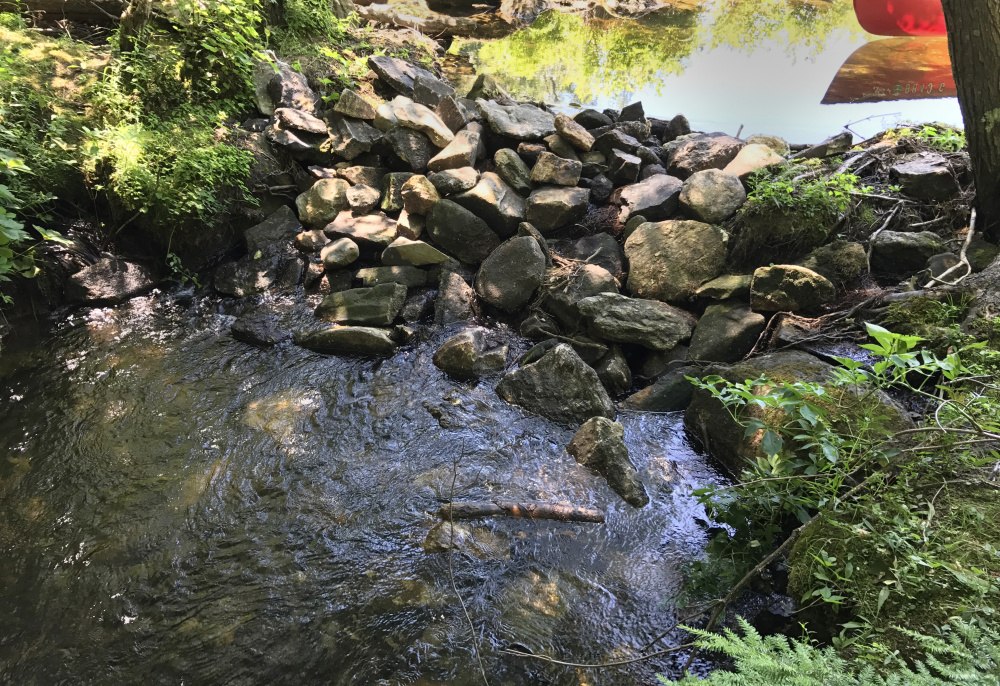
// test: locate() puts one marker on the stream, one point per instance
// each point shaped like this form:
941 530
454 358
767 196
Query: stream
177 507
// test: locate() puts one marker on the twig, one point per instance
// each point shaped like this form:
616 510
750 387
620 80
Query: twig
871 241
963 257
451 567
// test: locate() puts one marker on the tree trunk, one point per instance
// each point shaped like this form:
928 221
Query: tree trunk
342 8
133 23
974 43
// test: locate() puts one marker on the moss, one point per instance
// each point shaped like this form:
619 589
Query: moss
933 546
771 235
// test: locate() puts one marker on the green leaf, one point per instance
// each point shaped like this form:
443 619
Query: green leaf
883 595
772 443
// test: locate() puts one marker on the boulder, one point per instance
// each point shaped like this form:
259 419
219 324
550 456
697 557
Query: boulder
430 91
274 232
703 152
520 122
614 372
632 112
310 241
727 332
898 252
289 88
461 152
419 195
323 202
392 190
404 275
750 159
496 203
411 146
574 133
363 176
467 356
259 328
552 207
452 181
376 231
671 392
397 74
613 140
592 119
530 152
350 137
727 286
981 253
526 229
623 167
339 254
243 277
410 225
670 260
601 188
351 104
556 170
840 261
455 301
349 340
600 445
559 386
778 145
363 199
560 148
109 280
406 252
619 319
562 295
297 120
789 288
926 176
655 198
513 170
460 232
377 306
712 196
452 113
510 276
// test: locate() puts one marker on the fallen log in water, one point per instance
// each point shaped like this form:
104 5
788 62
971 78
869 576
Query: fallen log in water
527 510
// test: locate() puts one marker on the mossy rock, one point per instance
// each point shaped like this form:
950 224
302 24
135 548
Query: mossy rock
710 423
771 235
963 534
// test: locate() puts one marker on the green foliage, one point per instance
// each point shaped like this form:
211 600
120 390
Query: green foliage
11 21
813 453
965 654
180 273
801 187
938 137
311 20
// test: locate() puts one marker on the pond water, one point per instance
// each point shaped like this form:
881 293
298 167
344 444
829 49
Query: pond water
177 508
764 65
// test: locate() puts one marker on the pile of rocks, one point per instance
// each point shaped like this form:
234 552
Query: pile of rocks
597 235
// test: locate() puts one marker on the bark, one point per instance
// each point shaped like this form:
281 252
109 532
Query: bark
133 23
527 510
103 12
974 44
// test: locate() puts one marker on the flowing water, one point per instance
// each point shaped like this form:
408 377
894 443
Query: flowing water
801 69
177 508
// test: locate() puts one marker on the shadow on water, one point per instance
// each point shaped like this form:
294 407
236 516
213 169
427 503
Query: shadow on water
177 507
765 65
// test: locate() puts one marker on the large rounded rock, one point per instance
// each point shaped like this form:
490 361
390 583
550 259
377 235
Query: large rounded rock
559 386
339 254
712 151
551 208
649 323
509 277
655 198
926 176
600 445
323 202
670 260
349 340
904 252
712 196
419 195
109 281
460 232
840 261
726 332
789 288
467 356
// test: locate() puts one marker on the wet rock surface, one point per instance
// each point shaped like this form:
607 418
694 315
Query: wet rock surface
600 445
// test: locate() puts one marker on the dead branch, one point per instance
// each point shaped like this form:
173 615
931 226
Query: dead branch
525 510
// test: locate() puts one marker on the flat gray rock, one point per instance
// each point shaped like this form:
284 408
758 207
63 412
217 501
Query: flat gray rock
520 122
649 323
109 280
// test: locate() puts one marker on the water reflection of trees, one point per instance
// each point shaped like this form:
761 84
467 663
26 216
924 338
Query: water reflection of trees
565 57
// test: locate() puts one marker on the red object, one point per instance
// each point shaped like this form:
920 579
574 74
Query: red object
902 68
901 17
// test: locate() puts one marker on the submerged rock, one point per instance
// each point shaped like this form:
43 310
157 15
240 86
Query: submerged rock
259 328
349 340
600 445
109 280
559 386
467 356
